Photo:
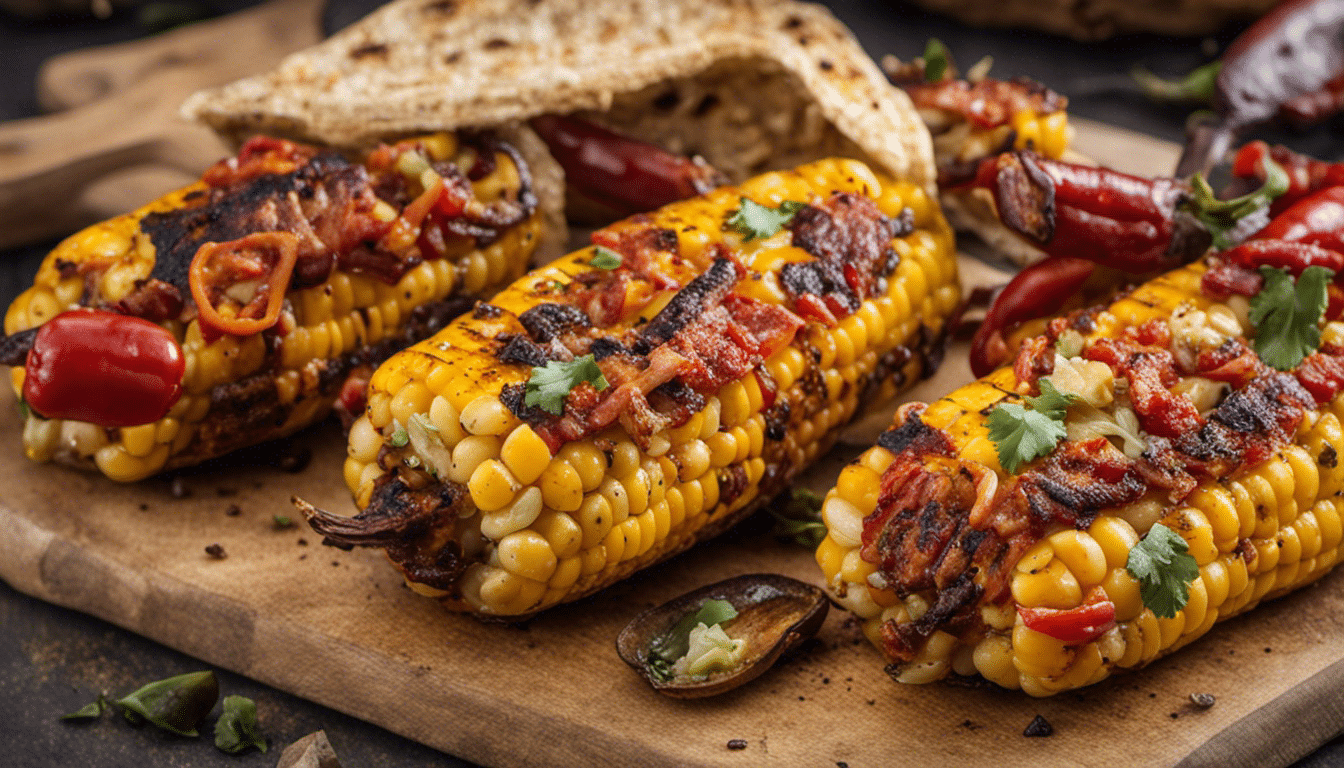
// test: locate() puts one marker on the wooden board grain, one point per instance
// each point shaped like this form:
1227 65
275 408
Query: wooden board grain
339 628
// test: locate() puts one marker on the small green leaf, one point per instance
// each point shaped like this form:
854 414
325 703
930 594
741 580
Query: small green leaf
605 258
399 438
1287 317
935 60
1022 433
550 384
798 519
91 711
1224 218
755 220
177 704
282 521
1164 568
1198 86
236 730
673 644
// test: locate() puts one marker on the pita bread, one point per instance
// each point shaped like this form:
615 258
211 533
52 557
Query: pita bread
750 85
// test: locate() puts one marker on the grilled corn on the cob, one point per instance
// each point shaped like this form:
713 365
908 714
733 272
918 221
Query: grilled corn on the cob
713 366
368 257
1028 578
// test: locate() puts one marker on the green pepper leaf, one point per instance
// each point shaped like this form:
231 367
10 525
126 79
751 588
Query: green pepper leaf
1287 317
1227 220
550 384
798 519
1022 433
673 644
1164 568
177 704
1197 86
935 60
605 258
236 730
755 220
90 711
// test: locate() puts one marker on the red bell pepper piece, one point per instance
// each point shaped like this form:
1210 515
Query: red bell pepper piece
1074 626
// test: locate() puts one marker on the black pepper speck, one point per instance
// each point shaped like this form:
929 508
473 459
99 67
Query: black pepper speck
1039 726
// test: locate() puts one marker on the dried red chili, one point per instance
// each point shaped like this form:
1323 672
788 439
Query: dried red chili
223 274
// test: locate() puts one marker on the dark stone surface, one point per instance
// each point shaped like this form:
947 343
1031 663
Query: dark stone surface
53 661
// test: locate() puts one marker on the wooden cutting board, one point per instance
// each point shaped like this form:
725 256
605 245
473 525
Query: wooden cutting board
339 628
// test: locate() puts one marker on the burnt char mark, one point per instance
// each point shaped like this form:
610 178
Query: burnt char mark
851 240
705 290
519 350
258 205
904 223
1025 195
545 322
1257 407
369 51
606 346
732 483
1077 481
514 397
917 437
14 347
396 512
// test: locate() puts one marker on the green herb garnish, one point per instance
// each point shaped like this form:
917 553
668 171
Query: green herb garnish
177 704
1164 568
798 519
399 438
90 711
282 521
1224 219
549 385
1287 316
605 258
935 60
673 644
236 729
755 220
1022 433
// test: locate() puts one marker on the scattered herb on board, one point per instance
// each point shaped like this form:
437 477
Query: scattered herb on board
605 258
672 645
1287 315
1025 432
236 730
798 518
91 711
1162 564
282 521
177 704
550 384
755 220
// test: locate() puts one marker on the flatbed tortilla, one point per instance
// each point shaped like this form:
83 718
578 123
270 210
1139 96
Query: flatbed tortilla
750 85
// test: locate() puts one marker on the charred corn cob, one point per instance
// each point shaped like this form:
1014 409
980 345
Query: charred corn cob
708 352
1176 442
282 274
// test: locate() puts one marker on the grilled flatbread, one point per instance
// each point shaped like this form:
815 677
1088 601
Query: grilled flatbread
750 85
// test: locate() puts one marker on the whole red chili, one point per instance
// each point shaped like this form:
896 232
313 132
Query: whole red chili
104 368
1305 174
628 175
1040 289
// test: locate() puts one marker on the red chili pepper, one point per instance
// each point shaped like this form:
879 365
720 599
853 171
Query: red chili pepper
1281 254
1040 289
1074 626
260 156
1115 219
1289 63
1305 174
264 258
104 368
628 175
1317 219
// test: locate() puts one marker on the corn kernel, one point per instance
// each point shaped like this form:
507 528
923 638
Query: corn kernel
561 487
528 554
492 486
525 454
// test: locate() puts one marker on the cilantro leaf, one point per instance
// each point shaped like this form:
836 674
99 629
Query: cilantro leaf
1164 568
1287 316
605 258
1022 433
176 704
90 711
549 385
798 519
236 729
935 60
755 220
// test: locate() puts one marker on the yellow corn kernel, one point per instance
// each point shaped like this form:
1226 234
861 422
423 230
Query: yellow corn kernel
486 415
1039 655
469 454
587 460
561 488
492 486
525 454
519 514
1050 587
1082 555
528 554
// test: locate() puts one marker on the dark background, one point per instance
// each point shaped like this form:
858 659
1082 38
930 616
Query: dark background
53 660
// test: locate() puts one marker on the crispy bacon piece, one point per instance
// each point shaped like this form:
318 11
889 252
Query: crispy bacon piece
987 103
851 240
1151 370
